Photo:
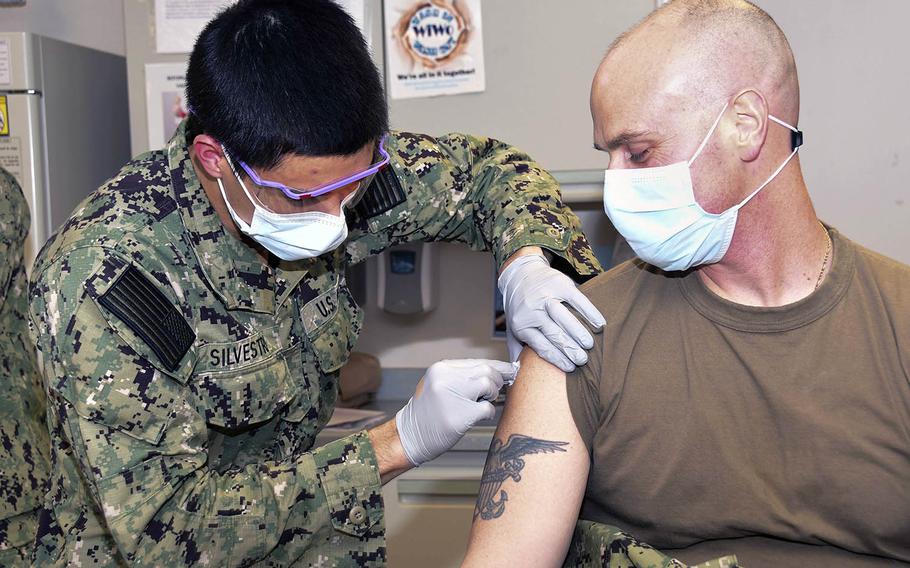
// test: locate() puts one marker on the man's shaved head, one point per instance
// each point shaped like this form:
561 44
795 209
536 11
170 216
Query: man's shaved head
710 86
663 82
724 46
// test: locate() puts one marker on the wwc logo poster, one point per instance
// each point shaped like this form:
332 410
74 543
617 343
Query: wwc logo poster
435 47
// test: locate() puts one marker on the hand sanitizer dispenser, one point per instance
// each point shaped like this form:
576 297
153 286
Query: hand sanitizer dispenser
408 279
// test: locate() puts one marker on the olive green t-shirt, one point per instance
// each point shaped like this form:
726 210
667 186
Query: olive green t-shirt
781 435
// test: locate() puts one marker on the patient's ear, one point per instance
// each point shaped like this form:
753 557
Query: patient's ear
751 124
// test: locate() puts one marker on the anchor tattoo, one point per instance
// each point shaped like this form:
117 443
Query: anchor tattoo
504 462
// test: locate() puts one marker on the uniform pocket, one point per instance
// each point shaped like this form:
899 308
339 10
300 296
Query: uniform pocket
247 395
114 385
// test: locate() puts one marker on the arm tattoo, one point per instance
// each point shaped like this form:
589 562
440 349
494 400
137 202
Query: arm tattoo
504 462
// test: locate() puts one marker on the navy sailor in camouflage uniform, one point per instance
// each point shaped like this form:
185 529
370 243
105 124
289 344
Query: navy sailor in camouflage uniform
192 314
24 445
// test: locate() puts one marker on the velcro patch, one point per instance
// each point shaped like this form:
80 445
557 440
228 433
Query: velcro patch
149 314
232 355
319 310
383 194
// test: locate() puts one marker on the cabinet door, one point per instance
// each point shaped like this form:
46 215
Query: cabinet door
428 515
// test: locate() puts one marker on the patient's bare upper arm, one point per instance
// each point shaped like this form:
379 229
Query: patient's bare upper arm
535 475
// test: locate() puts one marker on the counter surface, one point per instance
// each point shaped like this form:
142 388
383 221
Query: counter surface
470 451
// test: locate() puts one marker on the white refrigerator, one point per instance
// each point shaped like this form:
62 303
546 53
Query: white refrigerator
64 124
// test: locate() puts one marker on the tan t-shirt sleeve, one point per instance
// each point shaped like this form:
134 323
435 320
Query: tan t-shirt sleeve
583 390
590 392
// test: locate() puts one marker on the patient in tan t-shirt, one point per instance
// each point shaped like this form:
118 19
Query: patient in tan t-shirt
750 394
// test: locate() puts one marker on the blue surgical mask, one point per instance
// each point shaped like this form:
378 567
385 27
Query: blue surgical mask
656 211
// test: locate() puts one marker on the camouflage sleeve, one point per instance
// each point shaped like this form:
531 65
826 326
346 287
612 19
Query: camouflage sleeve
138 448
596 544
23 435
14 223
474 190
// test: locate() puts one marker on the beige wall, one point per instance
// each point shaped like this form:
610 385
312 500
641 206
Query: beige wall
97 24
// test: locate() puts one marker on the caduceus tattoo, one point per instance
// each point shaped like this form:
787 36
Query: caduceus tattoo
504 462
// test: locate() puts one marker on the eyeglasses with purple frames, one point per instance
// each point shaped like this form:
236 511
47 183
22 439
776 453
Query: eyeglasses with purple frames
292 193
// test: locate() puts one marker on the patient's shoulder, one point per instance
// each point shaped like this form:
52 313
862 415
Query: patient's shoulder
886 282
882 269
628 284
620 275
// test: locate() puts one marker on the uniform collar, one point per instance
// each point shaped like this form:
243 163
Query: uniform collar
233 269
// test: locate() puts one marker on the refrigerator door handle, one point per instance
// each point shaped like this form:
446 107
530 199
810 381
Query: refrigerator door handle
20 92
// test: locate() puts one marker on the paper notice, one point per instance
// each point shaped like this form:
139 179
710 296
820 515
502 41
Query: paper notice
11 157
435 47
179 22
4 116
165 100
6 63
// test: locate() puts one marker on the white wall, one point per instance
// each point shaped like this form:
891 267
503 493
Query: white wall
461 326
855 76
97 24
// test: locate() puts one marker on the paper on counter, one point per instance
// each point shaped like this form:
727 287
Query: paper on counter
354 418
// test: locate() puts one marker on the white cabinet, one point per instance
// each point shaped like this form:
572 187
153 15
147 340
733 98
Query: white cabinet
428 510
428 513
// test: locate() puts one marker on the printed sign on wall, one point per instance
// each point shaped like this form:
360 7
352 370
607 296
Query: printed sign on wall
165 100
6 63
435 47
179 22
4 116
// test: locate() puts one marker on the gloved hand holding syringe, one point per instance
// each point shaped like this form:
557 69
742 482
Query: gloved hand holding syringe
451 398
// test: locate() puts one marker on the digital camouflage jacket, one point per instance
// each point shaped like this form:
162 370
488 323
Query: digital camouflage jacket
187 380
24 444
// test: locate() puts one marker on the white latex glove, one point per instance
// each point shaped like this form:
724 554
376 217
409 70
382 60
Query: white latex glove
456 395
533 294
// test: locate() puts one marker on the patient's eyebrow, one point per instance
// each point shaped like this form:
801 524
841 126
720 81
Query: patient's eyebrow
622 139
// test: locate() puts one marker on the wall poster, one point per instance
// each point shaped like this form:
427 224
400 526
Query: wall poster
179 22
165 100
435 47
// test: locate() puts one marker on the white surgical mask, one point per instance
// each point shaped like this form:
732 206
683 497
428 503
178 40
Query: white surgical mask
292 236
656 211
